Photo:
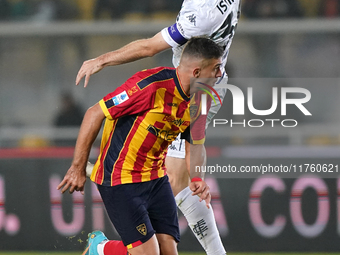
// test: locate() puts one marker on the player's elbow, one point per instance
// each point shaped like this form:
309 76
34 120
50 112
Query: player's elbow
95 113
149 51
151 47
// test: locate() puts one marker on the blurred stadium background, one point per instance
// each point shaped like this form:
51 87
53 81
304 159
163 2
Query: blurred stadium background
278 43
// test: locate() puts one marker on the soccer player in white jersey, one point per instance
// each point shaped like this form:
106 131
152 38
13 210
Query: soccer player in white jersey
216 19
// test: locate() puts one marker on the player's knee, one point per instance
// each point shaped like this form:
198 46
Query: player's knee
178 184
150 247
167 244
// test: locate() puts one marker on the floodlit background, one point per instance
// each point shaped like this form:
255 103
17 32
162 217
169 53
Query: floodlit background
278 43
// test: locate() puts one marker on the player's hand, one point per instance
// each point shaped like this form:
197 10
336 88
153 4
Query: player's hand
88 68
201 189
74 180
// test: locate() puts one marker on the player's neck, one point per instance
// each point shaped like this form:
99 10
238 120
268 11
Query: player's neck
184 79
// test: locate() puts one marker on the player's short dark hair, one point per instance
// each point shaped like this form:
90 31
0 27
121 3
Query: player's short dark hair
202 47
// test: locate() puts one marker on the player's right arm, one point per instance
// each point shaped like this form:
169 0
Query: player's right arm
75 177
131 52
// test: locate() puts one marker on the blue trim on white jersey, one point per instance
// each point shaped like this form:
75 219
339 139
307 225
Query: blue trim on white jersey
176 35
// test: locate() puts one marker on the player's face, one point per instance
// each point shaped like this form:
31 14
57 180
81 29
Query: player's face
207 74
212 69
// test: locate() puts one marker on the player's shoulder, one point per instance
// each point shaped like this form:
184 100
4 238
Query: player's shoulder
153 76
157 72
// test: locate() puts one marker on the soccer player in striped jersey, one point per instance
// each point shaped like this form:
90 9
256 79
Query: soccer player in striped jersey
215 19
143 116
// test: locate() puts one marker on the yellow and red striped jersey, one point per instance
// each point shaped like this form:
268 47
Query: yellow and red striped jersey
143 116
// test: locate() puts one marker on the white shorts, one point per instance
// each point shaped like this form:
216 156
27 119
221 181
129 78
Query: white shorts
177 148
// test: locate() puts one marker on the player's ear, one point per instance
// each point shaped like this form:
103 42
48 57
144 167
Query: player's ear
196 73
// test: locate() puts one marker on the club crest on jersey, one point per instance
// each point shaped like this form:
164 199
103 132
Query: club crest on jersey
142 229
120 98
193 110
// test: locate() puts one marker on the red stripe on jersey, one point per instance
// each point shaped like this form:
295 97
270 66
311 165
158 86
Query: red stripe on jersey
146 146
100 171
168 97
158 155
117 167
149 141
181 109
174 128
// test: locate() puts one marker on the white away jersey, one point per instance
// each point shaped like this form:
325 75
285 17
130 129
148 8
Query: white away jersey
215 19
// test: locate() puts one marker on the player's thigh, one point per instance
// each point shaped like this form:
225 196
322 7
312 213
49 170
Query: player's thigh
125 205
167 244
175 160
150 247
163 210
177 172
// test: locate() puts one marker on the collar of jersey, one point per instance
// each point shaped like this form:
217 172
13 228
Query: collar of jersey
179 86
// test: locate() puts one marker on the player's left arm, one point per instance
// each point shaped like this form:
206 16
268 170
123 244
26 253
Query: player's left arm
195 153
195 156
75 177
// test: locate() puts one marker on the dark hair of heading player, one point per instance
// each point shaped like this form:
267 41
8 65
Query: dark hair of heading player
204 48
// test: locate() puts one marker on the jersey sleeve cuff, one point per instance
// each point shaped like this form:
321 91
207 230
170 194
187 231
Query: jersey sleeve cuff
167 38
104 109
173 36
198 141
